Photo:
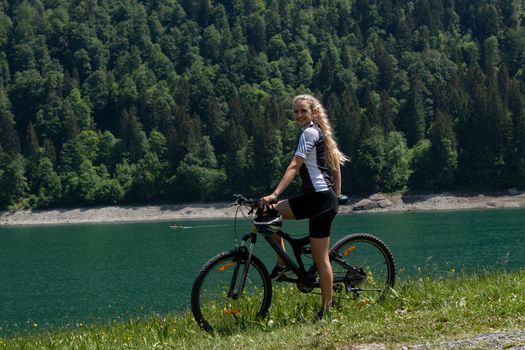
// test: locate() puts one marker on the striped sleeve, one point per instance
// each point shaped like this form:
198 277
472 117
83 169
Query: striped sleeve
307 141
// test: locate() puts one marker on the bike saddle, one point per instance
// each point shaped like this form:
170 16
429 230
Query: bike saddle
342 199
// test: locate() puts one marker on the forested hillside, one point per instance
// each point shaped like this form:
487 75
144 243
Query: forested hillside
112 101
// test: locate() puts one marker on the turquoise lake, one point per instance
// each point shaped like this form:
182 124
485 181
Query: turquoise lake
67 275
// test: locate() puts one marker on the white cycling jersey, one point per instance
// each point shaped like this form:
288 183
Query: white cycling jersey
314 171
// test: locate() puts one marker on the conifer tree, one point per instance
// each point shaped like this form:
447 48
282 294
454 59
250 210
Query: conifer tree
132 135
443 153
31 142
412 119
385 112
9 142
517 155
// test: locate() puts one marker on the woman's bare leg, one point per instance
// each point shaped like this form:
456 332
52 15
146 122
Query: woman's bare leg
283 207
321 258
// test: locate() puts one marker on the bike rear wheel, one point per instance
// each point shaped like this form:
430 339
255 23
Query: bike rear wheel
215 300
364 267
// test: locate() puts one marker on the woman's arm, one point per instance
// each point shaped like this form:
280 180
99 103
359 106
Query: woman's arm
286 180
336 174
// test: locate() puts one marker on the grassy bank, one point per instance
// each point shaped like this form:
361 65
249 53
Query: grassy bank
419 310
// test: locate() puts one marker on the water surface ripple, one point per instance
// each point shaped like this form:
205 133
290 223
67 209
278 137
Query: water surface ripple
68 275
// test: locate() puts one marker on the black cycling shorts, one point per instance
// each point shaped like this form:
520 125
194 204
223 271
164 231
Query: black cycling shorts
319 207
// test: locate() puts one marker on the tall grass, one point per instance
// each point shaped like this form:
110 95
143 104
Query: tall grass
419 310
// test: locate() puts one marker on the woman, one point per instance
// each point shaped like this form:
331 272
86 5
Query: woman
316 158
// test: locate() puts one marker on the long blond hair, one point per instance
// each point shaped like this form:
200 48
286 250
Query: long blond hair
334 156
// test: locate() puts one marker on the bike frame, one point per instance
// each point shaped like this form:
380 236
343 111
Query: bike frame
298 247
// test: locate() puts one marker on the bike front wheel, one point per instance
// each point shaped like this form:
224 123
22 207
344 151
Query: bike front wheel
217 301
363 267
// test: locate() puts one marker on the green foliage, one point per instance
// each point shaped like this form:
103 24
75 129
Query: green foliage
397 163
148 178
435 161
14 185
160 93
108 149
197 176
423 176
79 110
46 182
382 162
8 137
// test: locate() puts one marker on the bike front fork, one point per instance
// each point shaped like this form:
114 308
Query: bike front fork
244 256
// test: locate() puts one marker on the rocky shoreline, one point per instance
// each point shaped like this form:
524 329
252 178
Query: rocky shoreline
443 201
375 203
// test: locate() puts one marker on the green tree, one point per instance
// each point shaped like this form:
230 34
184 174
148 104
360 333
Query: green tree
368 163
267 150
214 122
349 122
158 143
26 86
240 160
385 112
160 64
139 34
47 182
149 178
256 33
396 172
197 176
9 141
87 143
412 120
6 25
444 153
96 187
381 163
31 142
328 64
159 107
424 15
491 56
276 47
305 65
108 149
134 141
435 161
517 156
79 110
211 44
488 21
385 65
99 89
485 136
124 175
514 48
52 121
14 186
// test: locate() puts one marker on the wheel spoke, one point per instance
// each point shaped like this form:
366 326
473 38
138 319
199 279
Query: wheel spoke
217 303
363 265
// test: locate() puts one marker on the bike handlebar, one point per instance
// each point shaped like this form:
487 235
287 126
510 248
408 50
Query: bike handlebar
241 200
254 203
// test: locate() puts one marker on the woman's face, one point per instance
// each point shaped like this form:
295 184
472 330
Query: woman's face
302 113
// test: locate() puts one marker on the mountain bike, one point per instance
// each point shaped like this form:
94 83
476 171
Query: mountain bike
234 287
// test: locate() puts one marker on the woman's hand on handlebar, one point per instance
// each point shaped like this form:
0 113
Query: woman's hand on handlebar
269 199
